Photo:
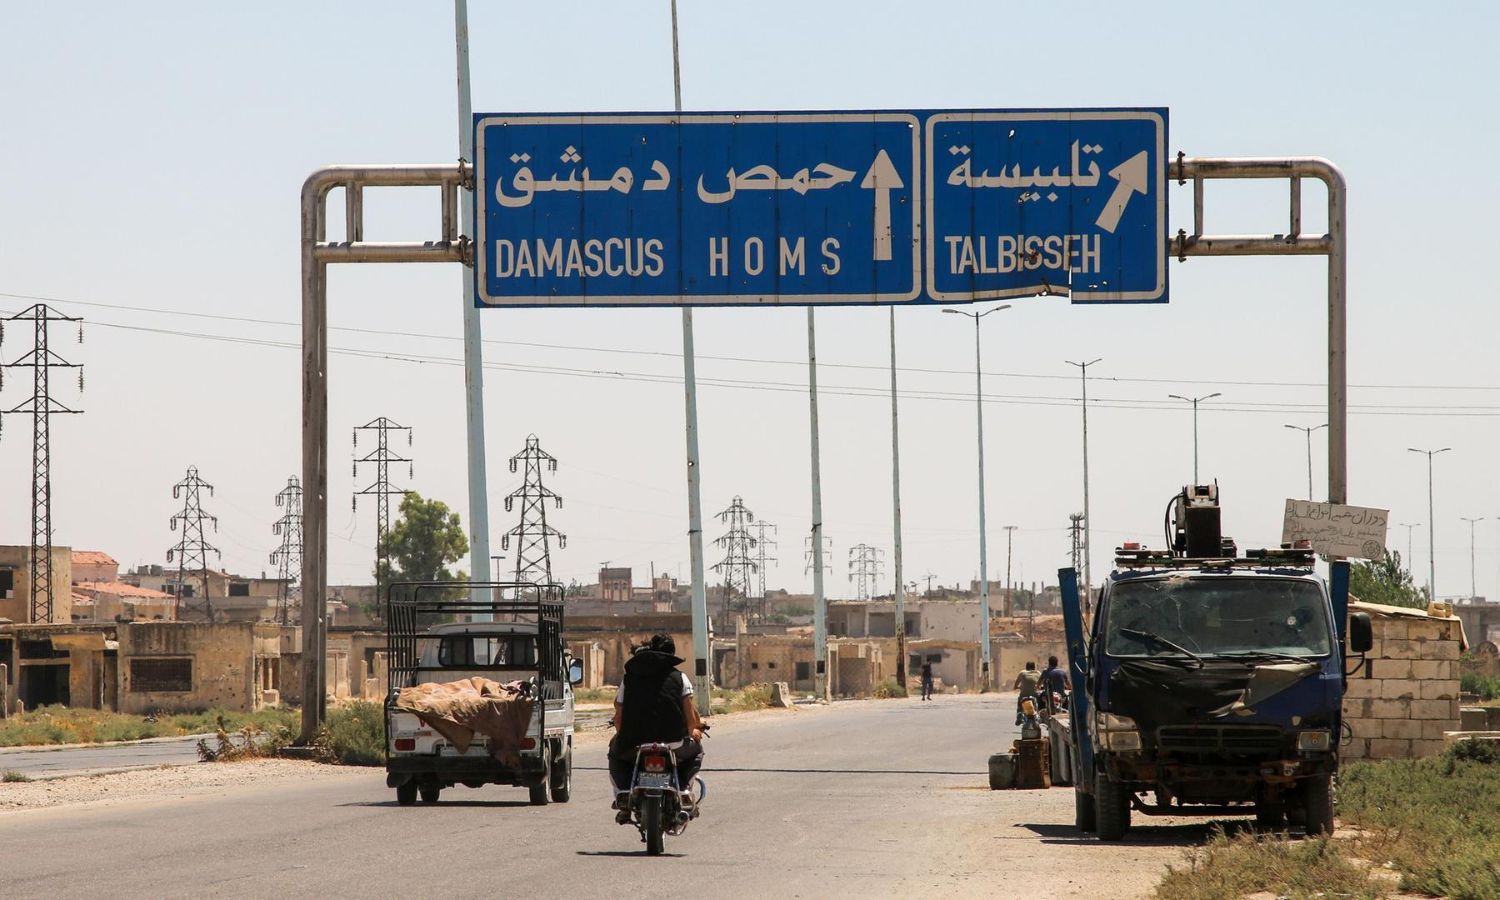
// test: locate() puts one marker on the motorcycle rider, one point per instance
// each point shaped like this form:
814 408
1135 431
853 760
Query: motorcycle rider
653 705
1054 681
1027 682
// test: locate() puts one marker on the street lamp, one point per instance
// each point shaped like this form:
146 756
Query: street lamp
1308 430
1473 591
984 571
1088 523
1409 526
1195 401
1431 531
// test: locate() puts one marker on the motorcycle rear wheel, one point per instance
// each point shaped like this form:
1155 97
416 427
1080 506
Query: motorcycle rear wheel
651 825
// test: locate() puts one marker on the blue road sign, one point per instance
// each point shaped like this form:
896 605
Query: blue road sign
646 209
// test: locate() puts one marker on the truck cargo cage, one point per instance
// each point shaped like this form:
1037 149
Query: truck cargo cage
1287 556
412 609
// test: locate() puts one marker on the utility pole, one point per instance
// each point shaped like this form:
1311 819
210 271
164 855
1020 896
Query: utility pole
864 570
984 567
736 566
1308 430
41 407
288 557
762 545
1195 401
1409 527
820 601
1088 523
701 682
1010 601
479 494
1473 588
382 489
1431 530
900 594
193 549
533 535
928 594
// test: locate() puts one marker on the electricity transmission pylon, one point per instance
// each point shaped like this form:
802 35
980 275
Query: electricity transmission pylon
864 569
736 566
41 407
288 557
382 489
807 555
1075 531
193 548
533 535
763 546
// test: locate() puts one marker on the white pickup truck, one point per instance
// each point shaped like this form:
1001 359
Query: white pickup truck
432 639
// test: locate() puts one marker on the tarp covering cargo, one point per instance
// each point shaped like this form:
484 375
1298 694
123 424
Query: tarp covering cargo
458 710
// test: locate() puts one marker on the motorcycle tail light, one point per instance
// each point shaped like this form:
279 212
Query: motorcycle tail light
654 763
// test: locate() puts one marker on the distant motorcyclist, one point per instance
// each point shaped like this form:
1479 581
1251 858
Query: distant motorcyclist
1028 682
1054 681
653 705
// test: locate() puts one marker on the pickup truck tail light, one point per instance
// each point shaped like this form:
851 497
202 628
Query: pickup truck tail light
654 763
406 745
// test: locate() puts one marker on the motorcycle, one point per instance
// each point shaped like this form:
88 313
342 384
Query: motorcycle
659 804
1053 702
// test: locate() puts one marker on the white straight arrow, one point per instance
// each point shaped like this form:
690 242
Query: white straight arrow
882 179
1133 177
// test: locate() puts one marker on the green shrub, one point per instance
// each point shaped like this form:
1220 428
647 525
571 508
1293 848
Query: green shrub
1487 687
1231 868
888 689
10 776
1475 751
353 735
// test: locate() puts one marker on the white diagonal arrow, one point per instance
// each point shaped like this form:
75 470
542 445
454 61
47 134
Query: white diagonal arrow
1132 175
882 179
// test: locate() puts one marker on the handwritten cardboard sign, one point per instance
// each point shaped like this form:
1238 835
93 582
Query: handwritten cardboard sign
1352 532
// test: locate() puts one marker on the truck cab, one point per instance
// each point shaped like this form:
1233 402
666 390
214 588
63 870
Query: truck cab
1211 686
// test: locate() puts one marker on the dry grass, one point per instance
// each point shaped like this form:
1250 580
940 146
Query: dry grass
1232 867
755 696
61 725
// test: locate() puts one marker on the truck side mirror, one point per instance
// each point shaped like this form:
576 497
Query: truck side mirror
1361 637
575 672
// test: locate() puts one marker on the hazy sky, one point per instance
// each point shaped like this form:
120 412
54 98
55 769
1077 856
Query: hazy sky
150 160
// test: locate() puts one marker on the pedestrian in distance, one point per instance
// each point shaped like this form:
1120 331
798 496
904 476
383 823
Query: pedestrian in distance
926 681
1028 681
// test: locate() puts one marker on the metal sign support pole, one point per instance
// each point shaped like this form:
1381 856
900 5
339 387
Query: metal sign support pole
900 594
820 603
984 558
479 513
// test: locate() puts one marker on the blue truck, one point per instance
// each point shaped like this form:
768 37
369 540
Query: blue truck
1206 682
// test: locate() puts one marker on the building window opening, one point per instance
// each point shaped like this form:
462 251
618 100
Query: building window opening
161 675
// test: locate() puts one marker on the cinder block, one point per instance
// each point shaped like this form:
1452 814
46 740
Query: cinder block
1393 709
1359 748
1390 668
1439 689
1357 707
1440 650
1406 729
1377 649
1432 729
1425 669
1427 747
1390 629
1429 629
1397 689
1400 649
1360 688
1386 748
1431 709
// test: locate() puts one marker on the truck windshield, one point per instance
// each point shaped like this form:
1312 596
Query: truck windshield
464 650
1216 616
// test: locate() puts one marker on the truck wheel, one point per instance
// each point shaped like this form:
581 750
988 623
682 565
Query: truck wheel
539 787
1111 809
1083 812
562 776
1317 804
406 794
430 791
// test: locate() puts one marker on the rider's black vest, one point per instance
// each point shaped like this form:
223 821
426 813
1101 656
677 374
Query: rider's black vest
653 701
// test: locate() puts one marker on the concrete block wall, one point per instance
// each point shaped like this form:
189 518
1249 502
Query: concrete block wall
1406 695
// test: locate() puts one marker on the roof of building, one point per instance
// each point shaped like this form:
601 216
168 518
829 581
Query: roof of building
93 558
121 589
615 573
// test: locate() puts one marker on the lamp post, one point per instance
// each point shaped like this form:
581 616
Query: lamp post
1308 430
1088 523
1195 401
1431 530
1409 526
1473 590
984 570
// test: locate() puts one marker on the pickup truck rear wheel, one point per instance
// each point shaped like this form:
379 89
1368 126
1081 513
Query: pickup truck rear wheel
1317 804
1111 809
406 794
562 775
430 791
540 787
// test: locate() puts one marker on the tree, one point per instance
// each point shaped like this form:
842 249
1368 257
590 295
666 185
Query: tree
423 543
1384 581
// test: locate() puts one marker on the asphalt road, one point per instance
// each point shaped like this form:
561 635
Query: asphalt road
869 799
51 763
